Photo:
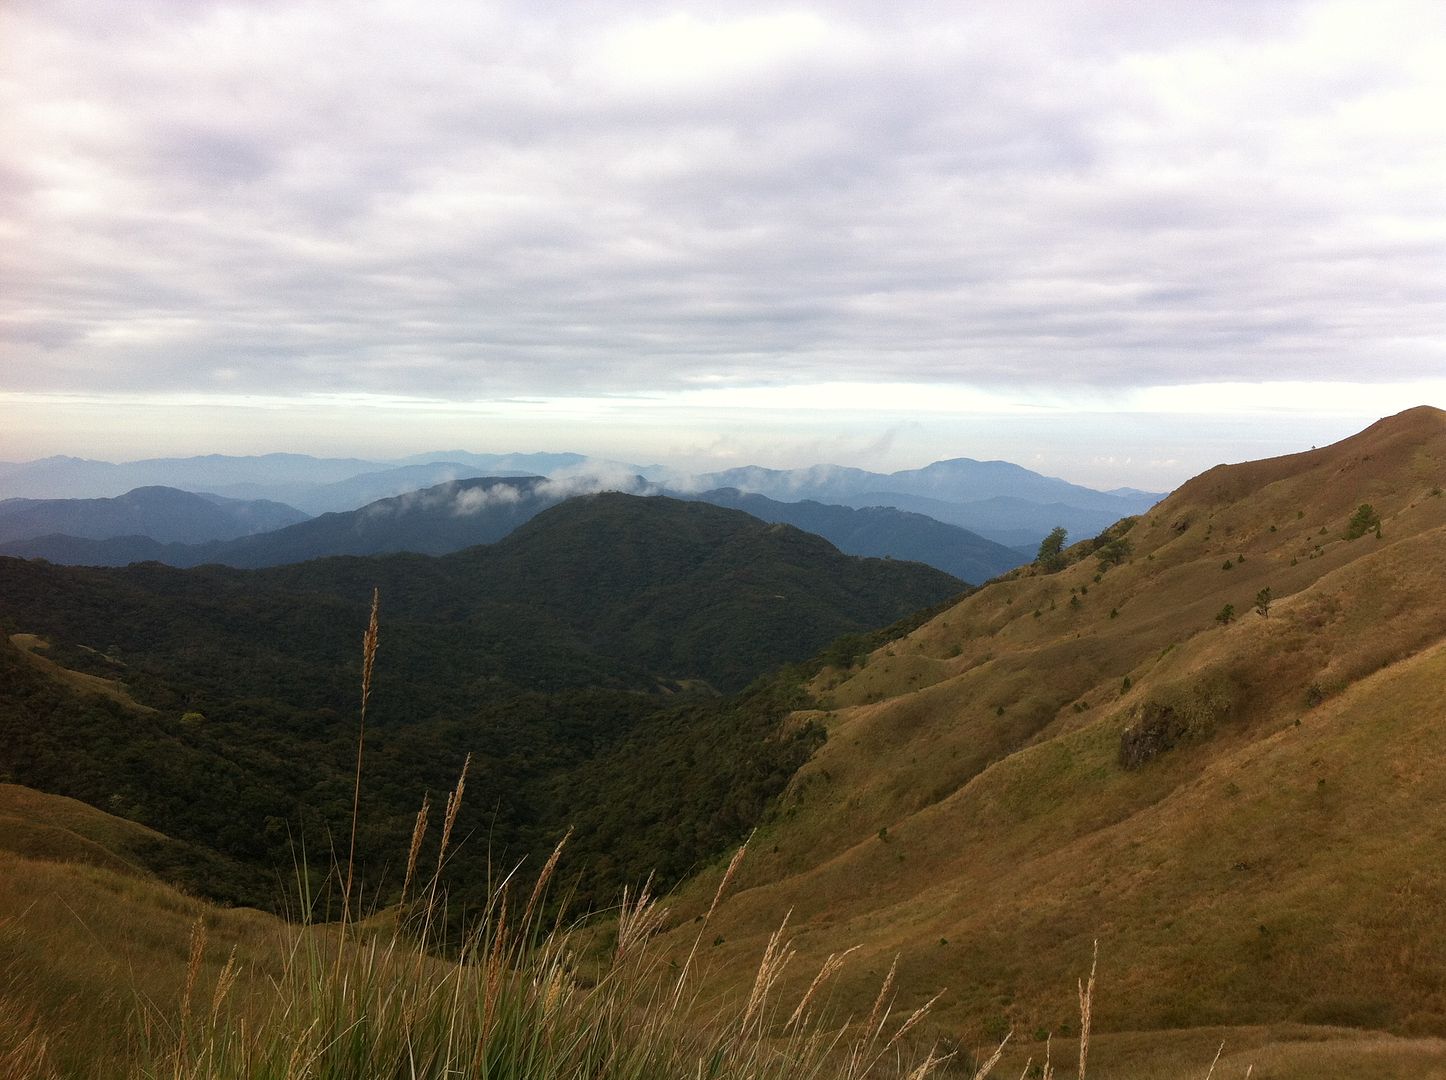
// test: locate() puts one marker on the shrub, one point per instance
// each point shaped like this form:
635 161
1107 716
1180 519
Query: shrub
1114 553
1364 520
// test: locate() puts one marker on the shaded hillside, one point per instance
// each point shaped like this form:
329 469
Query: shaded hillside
545 654
694 589
160 513
1237 792
882 531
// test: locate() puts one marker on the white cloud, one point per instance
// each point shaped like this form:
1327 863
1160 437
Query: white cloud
1061 203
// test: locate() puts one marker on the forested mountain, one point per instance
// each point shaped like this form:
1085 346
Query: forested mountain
572 658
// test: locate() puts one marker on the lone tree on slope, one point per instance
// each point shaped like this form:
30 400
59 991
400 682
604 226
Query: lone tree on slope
1051 550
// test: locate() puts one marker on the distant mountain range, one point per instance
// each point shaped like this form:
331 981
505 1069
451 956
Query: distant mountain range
314 485
1006 503
461 513
160 513
434 521
999 501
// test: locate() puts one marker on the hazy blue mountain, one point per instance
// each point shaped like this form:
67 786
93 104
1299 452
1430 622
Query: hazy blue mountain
481 510
1012 522
958 480
437 520
160 513
535 464
357 491
998 500
111 551
825 483
882 531
63 477
313 484
81 478
327 485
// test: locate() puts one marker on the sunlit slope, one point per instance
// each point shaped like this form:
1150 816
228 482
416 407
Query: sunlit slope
1267 842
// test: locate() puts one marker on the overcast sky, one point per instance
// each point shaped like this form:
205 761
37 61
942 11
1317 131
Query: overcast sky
1117 242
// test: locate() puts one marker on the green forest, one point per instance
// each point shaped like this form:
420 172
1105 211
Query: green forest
604 667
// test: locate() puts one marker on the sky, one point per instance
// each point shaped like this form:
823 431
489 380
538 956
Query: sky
1114 242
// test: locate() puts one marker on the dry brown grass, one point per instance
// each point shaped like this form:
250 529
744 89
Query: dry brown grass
1280 865
83 950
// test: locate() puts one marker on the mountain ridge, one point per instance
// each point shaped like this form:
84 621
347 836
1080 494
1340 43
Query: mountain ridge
167 515
1180 744
460 513
322 485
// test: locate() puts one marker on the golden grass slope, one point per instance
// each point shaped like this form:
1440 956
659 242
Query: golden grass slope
90 943
1280 858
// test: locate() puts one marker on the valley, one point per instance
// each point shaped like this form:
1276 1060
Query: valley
1207 741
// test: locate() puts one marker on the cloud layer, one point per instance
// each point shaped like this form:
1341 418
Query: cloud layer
481 202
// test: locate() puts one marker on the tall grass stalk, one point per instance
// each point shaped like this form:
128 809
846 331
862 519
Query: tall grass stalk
369 658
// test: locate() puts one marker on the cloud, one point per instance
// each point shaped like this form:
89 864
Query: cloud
473 500
592 477
472 203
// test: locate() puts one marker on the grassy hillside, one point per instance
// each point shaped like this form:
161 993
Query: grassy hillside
90 940
1244 811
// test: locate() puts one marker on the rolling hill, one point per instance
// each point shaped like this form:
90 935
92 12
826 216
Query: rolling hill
1214 741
